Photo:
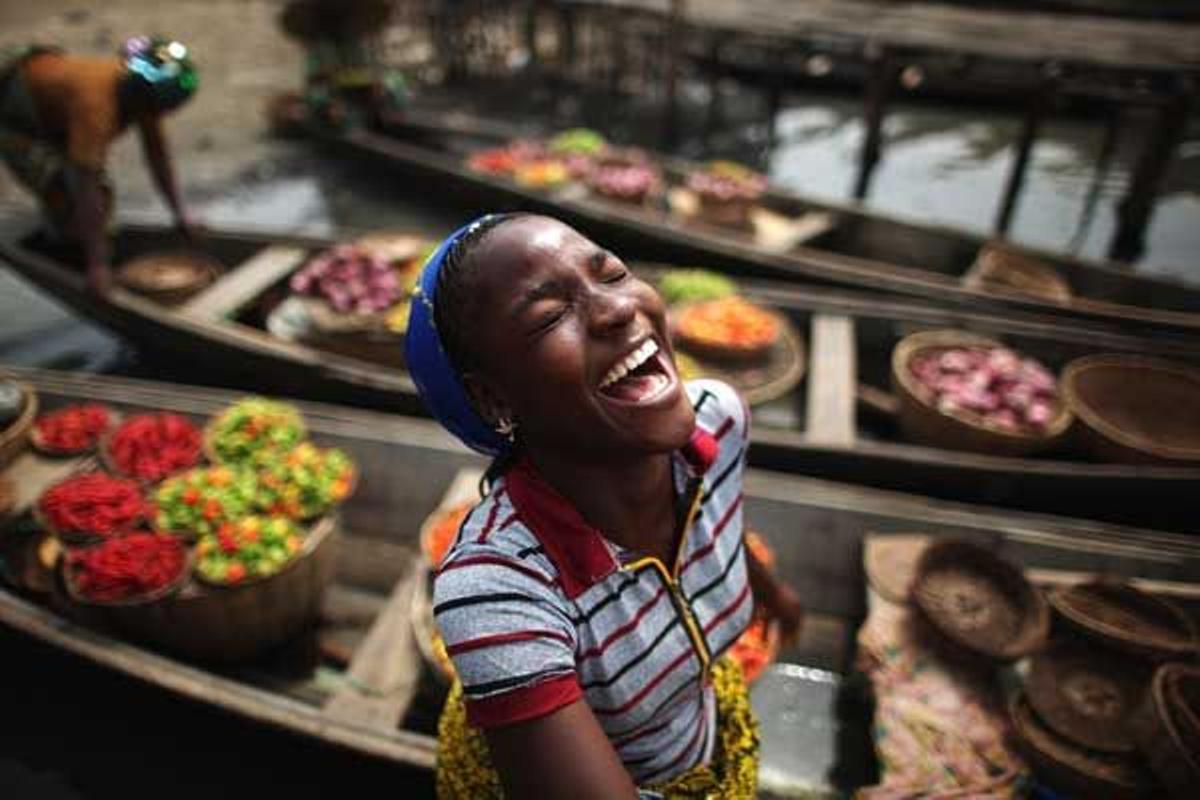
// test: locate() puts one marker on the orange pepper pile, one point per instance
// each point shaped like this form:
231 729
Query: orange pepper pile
729 321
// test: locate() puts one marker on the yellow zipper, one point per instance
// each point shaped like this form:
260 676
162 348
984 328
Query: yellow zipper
671 579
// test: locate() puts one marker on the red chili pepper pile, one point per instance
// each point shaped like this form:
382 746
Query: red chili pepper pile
73 428
127 566
93 503
153 446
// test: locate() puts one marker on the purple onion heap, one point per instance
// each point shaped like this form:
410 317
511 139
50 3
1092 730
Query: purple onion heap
995 387
727 182
351 279
627 176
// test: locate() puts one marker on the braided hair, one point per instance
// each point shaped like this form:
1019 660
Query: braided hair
452 312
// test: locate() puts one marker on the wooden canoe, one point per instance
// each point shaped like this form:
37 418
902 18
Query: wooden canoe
816 241
835 425
367 690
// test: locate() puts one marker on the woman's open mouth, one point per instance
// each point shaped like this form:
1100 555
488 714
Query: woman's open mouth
640 377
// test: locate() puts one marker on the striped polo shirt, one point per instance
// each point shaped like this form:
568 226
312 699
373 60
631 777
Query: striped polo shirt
538 609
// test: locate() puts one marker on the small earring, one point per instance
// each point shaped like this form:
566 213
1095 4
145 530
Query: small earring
506 428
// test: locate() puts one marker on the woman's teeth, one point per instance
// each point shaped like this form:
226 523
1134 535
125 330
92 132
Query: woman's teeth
630 363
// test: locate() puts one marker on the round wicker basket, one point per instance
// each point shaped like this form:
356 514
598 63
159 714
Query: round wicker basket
14 437
923 423
1072 769
1087 693
1002 270
891 564
223 624
73 592
1172 753
1129 620
1135 409
978 602
169 277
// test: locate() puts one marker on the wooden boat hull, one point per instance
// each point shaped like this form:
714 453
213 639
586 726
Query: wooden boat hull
861 250
815 527
788 433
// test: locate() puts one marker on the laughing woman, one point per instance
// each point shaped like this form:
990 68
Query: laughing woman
589 599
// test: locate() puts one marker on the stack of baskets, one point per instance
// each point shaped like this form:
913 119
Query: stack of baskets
1109 704
1090 719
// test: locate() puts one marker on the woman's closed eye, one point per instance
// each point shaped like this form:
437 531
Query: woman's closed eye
545 315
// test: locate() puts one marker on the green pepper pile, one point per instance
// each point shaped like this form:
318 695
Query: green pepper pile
251 547
304 482
255 430
695 285
200 500
578 141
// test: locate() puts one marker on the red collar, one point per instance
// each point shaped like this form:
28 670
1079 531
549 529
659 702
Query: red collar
578 550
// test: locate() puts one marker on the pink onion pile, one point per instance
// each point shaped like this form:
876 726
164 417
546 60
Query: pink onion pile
351 278
726 188
623 177
993 386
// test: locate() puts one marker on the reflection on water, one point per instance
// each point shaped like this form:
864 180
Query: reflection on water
943 165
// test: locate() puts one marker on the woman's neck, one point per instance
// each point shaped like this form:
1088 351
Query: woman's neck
630 502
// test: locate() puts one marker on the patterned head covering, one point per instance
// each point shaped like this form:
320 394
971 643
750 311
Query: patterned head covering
163 67
430 366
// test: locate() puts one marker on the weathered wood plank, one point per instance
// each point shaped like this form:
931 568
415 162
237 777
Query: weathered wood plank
382 678
832 381
243 283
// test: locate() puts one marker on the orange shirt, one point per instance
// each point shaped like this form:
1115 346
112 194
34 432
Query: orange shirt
76 98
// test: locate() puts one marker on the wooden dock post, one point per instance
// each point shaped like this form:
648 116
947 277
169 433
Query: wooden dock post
670 132
876 92
1035 113
1135 209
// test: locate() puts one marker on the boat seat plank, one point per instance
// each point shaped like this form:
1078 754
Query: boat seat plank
237 287
832 383
382 679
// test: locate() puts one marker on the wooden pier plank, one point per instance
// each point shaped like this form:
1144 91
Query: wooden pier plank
832 382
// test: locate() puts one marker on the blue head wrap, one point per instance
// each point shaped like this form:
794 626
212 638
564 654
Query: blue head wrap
430 367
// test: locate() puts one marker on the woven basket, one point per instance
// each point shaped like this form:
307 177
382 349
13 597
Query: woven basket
1135 409
923 423
1071 769
162 593
978 602
1127 619
1156 730
1000 269
169 277
14 438
1087 693
225 624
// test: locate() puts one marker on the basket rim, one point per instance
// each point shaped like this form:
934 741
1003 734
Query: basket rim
210 268
23 424
1034 611
1026 722
1174 648
1088 415
161 593
1161 709
911 345
35 437
316 534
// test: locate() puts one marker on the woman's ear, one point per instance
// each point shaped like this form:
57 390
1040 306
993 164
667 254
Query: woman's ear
486 399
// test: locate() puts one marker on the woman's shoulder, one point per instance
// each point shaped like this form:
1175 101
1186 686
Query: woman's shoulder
719 408
494 546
